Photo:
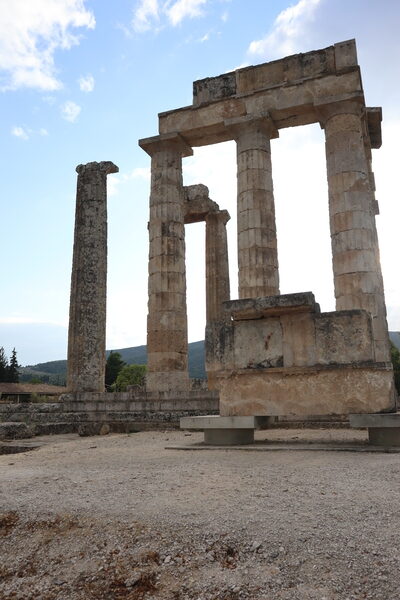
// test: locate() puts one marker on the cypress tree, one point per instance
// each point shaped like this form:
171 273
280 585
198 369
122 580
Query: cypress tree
114 365
13 369
3 366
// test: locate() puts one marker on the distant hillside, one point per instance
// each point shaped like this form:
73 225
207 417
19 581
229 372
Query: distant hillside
55 371
395 338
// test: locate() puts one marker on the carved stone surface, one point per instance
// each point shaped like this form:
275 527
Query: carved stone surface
87 319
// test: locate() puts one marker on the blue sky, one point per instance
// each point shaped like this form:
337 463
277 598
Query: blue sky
84 80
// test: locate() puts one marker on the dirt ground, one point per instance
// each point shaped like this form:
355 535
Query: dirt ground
122 517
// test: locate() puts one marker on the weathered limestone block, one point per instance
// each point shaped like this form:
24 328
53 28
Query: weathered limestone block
167 318
286 88
258 344
281 356
198 203
305 391
299 345
344 337
87 318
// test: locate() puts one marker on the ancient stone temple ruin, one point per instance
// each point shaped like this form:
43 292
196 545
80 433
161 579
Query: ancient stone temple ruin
267 354
271 354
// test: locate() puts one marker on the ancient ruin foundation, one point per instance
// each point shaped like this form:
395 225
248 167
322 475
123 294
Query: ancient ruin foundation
272 354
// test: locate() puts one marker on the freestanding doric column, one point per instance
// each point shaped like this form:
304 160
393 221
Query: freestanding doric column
257 244
167 316
217 265
87 316
356 266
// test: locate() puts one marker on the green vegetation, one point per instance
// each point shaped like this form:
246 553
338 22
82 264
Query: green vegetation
130 375
9 372
395 356
114 365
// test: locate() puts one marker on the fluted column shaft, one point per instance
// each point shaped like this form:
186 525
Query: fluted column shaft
355 253
87 318
257 243
217 265
167 344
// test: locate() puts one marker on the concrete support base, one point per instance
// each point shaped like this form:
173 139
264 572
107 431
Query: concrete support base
383 429
226 431
380 436
228 437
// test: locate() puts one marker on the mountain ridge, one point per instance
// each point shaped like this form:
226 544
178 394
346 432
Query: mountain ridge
54 371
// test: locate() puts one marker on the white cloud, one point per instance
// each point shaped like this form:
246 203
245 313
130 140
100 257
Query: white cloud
20 132
288 31
179 10
70 111
43 132
205 38
148 13
86 84
139 173
113 181
143 15
30 33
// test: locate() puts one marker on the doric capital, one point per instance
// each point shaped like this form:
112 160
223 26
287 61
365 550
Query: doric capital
166 141
223 216
105 166
262 122
343 106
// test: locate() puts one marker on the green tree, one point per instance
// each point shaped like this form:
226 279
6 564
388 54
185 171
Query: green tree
13 368
130 375
395 356
114 365
3 365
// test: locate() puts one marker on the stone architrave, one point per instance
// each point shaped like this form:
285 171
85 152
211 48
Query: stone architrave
167 316
217 265
87 317
352 206
257 243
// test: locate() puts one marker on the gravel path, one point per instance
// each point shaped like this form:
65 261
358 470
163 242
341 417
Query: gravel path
121 517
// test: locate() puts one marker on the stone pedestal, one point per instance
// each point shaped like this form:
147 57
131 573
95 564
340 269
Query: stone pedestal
167 319
355 253
257 244
383 429
87 318
225 431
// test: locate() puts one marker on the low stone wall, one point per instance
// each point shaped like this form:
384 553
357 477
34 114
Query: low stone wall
90 413
121 412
